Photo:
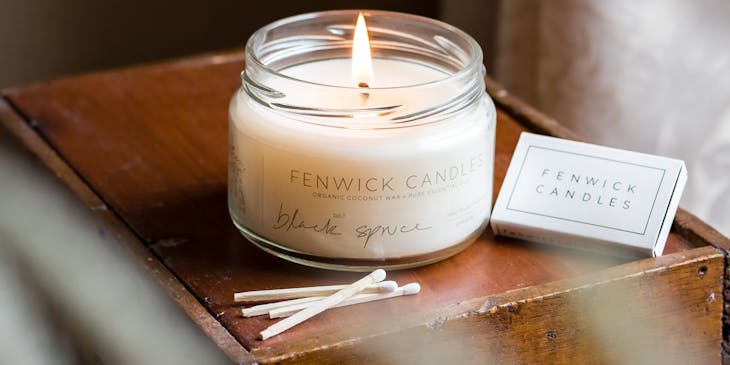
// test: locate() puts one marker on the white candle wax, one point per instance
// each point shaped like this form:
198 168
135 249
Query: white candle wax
369 194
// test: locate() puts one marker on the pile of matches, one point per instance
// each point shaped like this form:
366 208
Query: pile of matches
300 304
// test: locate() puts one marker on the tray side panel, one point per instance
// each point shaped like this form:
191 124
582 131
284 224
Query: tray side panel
664 311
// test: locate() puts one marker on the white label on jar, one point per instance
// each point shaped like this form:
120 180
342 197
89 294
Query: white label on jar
360 208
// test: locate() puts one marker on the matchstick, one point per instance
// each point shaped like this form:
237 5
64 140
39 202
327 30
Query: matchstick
312 291
322 305
262 309
409 289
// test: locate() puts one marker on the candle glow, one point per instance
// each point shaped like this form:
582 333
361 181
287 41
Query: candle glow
362 62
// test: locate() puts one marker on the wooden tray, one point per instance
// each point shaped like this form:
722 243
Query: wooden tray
145 148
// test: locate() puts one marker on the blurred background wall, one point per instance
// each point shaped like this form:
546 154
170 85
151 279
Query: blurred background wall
651 76
42 39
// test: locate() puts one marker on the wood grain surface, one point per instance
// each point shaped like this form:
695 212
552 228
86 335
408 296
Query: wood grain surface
151 143
662 311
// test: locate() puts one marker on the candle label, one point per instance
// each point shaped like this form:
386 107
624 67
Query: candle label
351 208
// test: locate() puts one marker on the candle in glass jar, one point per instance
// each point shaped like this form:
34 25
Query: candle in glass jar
395 174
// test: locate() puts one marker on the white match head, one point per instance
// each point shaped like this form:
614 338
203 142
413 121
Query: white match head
411 288
378 275
387 286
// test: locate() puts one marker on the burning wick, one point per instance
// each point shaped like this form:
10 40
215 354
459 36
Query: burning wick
364 96
362 62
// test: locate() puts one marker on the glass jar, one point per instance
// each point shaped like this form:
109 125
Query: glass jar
330 174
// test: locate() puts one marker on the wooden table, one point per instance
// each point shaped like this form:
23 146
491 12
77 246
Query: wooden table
145 148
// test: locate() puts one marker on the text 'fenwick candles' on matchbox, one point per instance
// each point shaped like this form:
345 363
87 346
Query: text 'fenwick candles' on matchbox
587 196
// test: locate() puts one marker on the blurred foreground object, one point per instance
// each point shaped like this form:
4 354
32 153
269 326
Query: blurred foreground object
68 293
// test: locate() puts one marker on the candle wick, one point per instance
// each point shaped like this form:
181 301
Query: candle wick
364 96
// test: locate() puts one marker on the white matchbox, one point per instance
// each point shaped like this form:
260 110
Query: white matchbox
590 197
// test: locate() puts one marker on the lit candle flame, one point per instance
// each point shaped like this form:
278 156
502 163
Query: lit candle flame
362 62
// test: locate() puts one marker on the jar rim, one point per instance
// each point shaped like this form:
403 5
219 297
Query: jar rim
474 50
320 36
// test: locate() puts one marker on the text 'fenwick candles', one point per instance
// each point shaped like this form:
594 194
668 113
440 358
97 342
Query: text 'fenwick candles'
360 147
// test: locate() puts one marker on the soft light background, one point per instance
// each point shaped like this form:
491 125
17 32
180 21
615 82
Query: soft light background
652 76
